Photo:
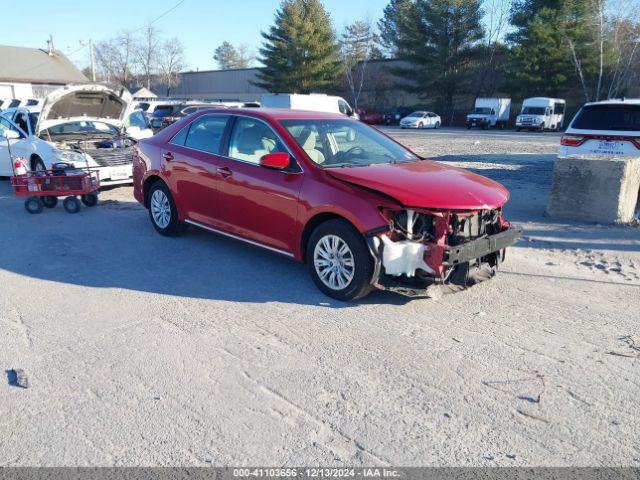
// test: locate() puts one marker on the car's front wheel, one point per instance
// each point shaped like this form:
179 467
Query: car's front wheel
339 261
163 211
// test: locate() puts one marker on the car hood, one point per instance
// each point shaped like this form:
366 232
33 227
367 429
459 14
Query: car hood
427 184
95 102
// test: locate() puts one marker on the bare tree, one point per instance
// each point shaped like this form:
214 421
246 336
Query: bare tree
147 54
359 44
625 46
171 62
115 58
496 19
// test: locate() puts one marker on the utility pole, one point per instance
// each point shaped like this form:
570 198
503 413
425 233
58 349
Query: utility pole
93 61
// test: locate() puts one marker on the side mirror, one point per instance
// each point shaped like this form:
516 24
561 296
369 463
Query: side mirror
277 161
10 134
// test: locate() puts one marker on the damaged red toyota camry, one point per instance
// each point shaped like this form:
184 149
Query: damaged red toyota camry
362 211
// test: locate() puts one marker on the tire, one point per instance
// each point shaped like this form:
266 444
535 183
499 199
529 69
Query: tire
518 129
437 125
33 205
353 281
50 202
163 211
72 205
420 125
37 164
468 127
90 199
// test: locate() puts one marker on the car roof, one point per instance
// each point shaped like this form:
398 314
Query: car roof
617 101
278 113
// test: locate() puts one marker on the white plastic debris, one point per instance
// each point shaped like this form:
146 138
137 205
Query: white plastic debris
403 257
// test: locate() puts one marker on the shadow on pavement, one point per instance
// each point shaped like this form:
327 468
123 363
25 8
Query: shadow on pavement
114 246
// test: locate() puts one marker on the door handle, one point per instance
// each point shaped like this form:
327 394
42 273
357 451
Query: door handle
224 172
168 156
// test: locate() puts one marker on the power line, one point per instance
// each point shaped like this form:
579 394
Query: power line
159 17
164 14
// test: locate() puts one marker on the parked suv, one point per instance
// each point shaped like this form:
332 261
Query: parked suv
359 209
610 128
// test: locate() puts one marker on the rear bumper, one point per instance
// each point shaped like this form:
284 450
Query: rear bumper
481 247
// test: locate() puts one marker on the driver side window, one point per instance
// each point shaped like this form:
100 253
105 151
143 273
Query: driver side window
7 125
21 121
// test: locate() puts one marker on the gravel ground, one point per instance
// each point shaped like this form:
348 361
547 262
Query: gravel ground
143 350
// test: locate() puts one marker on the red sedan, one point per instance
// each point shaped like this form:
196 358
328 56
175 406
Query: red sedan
359 209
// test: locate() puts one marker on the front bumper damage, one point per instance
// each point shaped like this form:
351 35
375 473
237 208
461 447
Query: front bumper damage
444 251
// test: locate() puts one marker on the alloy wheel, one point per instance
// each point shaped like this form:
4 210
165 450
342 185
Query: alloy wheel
160 209
334 262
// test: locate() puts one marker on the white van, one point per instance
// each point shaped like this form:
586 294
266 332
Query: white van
541 113
314 102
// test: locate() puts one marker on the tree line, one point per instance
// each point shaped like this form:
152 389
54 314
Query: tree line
584 50
140 58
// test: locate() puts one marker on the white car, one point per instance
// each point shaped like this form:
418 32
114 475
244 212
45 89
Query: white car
78 125
609 128
421 120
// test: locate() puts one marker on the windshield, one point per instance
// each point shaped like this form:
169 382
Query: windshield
482 111
82 127
534 110
345 143
416 114
609 117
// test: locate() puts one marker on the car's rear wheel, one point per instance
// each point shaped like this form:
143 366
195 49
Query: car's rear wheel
163 211
339 261
437 125
420 125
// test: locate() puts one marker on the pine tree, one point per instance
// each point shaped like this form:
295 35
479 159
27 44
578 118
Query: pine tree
440 39
548 36
300 53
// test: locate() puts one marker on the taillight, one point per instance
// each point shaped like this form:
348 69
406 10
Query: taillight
636 142
572 140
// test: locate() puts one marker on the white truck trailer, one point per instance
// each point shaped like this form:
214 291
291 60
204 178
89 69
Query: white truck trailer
490 113
541 113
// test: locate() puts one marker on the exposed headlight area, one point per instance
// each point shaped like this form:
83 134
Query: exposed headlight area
424 247
68 156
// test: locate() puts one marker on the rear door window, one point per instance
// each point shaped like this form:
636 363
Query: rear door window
609 117
205 134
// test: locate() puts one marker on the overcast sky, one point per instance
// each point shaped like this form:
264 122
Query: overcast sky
201 25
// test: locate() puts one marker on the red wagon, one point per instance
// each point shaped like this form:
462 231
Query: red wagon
42 188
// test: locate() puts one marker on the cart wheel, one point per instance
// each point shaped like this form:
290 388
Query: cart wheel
50 202
71 205
33 205
90 199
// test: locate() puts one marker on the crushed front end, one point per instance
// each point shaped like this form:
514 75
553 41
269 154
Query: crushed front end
422 247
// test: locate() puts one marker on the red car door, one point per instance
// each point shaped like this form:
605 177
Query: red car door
191 160
258 203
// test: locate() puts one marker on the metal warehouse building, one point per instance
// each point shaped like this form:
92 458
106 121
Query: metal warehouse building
229 85
34 73
381 88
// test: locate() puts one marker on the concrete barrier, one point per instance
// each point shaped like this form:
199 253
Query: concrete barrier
595 189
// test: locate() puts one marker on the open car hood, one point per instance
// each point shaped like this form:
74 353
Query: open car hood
96 102
427 184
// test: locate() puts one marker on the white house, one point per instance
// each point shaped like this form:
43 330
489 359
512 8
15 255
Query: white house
34 73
